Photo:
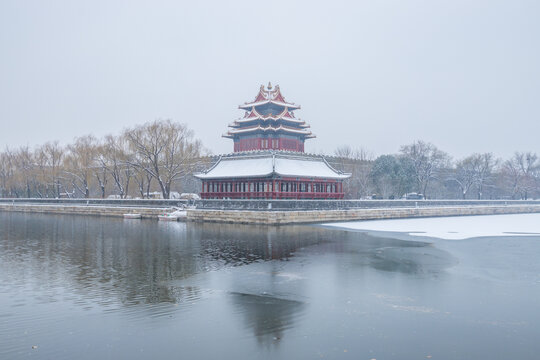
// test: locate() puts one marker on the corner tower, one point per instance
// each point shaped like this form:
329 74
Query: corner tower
269 124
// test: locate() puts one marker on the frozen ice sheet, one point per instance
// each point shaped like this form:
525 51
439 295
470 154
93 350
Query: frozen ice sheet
454 228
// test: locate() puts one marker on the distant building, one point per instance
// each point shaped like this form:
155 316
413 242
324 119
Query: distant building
269 160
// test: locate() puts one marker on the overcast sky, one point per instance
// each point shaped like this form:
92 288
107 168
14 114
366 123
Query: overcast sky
464 75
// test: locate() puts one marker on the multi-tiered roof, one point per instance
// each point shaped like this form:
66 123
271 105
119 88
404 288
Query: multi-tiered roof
269 160
269 123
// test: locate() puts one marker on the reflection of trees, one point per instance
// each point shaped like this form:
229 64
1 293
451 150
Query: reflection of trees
268 316
134 262
112 261
99 259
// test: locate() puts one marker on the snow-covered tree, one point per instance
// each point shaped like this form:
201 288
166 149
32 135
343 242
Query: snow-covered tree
427 161
165 150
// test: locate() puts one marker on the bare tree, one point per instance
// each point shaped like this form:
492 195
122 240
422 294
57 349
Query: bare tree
165 150
114 157
142 177
161 149
100 170
6 173
359 154
521 172
465 174
484 165
101 174
24 164
55 156
80 162
427 161
41 170
512 176
357 162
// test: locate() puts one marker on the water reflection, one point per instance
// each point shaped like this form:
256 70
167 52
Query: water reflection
134 261
228 244
263 277
267 316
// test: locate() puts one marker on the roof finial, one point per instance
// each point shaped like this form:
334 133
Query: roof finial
269 85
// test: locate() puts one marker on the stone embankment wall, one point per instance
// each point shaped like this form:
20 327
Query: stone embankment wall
319 216
98 202
269 211
277 205
103 210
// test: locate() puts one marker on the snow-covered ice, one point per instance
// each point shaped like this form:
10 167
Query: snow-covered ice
453 228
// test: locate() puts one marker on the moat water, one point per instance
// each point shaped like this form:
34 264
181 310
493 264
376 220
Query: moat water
74 287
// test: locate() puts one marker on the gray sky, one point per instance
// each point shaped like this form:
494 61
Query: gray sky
464 75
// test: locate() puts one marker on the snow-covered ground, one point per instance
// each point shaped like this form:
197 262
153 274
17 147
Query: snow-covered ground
453 228
178 213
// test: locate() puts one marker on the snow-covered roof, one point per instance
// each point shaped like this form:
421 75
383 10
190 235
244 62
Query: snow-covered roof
271 163
264 96
241 122
269 96
290 106
301 131
308 167
254 115
228 167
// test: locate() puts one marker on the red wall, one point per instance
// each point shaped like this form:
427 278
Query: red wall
272 189
257 144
